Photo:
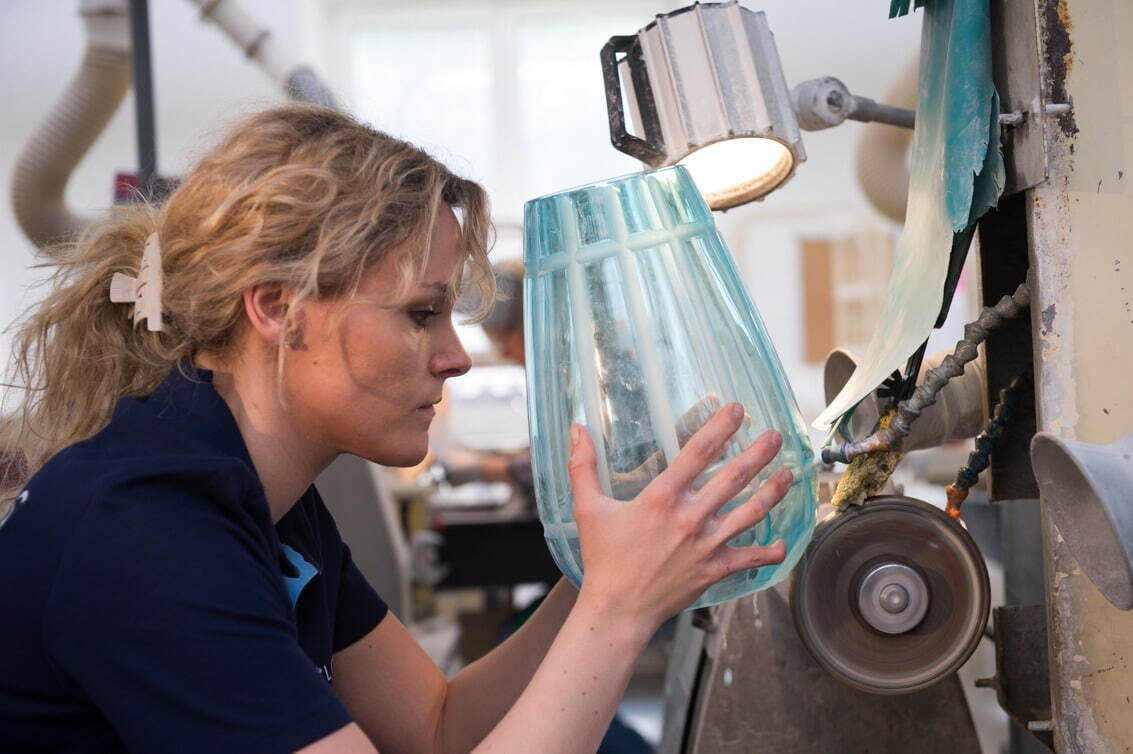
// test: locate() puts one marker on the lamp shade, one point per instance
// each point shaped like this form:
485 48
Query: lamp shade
704 88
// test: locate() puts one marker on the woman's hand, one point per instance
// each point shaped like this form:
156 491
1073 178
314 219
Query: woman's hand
650 557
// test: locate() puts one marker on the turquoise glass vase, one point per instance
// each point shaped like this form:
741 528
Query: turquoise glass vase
638 328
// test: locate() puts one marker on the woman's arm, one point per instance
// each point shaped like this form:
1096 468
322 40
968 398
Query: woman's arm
482 693
433 715
645 560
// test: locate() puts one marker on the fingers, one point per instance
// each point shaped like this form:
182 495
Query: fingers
755 509
738 472
583 465
704 447
742 558
696 417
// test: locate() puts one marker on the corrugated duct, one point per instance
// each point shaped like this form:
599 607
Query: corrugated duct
67 133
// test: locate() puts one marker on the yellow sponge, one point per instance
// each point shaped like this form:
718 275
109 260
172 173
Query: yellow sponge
868 473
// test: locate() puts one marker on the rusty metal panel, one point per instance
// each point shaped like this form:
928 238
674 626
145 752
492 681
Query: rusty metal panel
1080 223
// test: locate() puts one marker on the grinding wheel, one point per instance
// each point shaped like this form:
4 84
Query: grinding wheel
891 596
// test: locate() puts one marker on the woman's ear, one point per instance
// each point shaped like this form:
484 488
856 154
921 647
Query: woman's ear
266 305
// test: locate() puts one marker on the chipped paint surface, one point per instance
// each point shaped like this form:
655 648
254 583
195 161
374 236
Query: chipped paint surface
1048 318
1081 220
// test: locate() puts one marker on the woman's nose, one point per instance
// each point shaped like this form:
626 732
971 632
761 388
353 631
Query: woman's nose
451 360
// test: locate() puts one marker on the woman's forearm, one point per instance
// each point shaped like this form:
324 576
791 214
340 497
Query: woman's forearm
569 703
482 693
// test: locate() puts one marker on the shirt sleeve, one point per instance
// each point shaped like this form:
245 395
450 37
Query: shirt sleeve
170 615
360 609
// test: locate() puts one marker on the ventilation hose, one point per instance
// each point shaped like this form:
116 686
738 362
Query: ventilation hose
74 124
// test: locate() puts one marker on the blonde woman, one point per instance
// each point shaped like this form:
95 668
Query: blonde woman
173 581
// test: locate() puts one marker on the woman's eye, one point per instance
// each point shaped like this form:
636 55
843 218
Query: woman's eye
421 317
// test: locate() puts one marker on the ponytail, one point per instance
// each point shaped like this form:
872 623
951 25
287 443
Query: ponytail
77 352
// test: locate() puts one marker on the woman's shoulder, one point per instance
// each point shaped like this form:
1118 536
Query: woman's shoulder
155 486
104 468
152 448
111 514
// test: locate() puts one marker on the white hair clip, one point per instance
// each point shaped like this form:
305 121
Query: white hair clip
143 291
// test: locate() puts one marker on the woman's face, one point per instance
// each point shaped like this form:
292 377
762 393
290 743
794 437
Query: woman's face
366 381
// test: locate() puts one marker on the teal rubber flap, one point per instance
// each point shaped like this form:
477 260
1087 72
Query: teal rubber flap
956 174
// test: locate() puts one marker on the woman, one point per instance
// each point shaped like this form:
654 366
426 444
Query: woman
174 582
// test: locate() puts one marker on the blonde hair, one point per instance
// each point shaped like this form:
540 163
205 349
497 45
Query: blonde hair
298 195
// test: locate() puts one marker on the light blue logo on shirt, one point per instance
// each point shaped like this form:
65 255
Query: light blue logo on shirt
296 584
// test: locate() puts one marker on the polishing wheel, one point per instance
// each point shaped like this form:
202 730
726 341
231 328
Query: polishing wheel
891 596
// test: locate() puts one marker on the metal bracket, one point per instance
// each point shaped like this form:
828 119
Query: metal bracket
1015 68
1022 677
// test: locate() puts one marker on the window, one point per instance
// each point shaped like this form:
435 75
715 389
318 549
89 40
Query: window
507 93
845 283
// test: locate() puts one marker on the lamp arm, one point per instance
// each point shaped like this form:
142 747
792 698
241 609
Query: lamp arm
866 110
825 102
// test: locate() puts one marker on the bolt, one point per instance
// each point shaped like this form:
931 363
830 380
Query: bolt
835 100
893 598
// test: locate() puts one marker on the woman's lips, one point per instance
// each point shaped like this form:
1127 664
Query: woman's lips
427 410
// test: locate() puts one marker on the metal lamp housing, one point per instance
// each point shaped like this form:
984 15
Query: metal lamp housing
704 87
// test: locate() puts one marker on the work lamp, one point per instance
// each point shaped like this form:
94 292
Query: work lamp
704 88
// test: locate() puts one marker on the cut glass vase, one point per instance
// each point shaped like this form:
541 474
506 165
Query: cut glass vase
638 328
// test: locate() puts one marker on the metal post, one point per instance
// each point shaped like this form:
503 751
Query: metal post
143 98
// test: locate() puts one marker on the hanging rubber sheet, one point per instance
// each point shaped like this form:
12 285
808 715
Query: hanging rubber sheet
956 174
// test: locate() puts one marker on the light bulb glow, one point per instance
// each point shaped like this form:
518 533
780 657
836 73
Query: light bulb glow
732 172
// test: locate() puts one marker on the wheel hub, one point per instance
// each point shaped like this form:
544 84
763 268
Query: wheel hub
893 598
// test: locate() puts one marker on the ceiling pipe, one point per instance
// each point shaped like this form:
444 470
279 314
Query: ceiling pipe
299 81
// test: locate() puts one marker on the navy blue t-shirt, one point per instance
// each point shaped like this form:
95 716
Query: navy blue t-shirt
147 603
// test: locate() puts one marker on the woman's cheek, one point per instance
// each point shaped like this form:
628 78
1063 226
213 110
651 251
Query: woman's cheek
369 351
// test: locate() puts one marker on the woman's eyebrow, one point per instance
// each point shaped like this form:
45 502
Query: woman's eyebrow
438 291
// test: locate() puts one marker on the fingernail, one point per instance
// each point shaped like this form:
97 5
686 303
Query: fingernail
785 476
574 430
776 438
737 410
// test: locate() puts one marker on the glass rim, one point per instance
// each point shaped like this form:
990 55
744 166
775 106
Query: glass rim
678 169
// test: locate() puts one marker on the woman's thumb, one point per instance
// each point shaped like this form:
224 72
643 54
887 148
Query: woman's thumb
583 467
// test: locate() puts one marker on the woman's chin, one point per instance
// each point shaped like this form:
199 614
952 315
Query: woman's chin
399 457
